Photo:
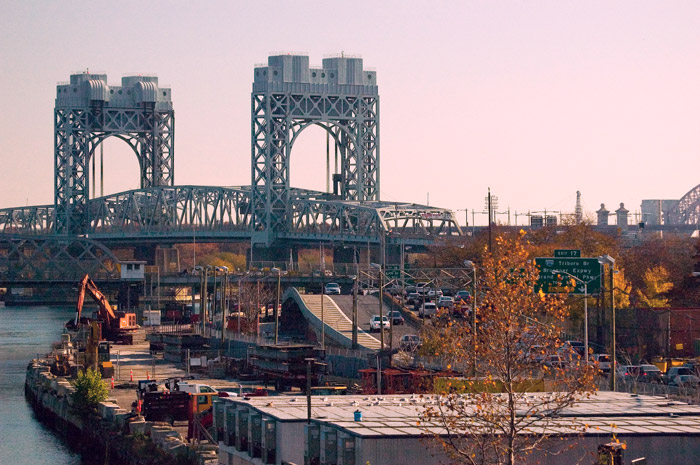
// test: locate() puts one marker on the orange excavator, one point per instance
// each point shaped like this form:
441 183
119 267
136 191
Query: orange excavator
116 326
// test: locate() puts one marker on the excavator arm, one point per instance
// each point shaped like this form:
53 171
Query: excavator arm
87 286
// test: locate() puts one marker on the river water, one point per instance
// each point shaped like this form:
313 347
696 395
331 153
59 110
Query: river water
25 332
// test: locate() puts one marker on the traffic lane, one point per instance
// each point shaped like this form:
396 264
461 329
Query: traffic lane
368 305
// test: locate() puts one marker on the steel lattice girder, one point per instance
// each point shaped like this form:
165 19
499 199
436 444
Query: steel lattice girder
218 212
53 258
166 210
345 220
27 220
280 111
688 209
83 120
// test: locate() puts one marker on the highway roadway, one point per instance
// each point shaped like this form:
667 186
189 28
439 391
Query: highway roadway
368 305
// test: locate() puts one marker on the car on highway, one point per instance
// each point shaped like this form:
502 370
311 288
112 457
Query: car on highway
410 342
412 298
397 289
462 295
427 310
434 293
422 288
332 288
377 322
397 318
446 302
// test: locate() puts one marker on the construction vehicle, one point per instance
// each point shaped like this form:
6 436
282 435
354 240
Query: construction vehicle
115 326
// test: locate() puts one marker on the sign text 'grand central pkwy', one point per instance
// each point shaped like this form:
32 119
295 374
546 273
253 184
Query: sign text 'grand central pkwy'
554 275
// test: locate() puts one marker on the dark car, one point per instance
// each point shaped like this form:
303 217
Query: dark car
462 295
396 318
650 374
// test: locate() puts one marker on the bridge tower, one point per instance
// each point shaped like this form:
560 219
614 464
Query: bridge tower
87 112
289 96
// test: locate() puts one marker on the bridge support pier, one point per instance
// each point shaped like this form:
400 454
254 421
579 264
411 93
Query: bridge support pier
270 257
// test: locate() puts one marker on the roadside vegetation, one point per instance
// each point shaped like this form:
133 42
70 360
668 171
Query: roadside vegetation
495 416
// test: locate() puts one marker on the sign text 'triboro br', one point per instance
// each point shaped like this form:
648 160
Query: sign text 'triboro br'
587 270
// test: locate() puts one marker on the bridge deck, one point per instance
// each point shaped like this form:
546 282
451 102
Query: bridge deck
338 325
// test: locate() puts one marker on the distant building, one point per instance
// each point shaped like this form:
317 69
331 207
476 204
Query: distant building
133 270
656 212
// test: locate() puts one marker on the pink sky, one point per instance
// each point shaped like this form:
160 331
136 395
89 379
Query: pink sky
533 99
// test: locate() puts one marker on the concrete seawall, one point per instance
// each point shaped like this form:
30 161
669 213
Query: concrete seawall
117 435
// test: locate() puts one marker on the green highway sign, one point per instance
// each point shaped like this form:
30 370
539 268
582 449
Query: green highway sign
567 253
587 270
392 271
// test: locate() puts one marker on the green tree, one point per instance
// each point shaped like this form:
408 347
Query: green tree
491 418
89 391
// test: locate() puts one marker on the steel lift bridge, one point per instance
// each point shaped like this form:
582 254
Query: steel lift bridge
76 232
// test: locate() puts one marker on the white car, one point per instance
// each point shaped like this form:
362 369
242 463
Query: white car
375 325
446 302
427 310
332 288
604 362
435 293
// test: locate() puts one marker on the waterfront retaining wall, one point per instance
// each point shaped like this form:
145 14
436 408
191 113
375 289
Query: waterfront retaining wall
119 436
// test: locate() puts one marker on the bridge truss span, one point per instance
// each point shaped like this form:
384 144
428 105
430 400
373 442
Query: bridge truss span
688 209
177 213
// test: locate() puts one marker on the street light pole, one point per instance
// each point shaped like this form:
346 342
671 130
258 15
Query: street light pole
277 307
323 295
608 260
470 264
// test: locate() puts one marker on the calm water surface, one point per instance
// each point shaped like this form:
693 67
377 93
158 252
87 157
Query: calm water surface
25 332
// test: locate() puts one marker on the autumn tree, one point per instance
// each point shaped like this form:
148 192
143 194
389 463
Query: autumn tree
494 417
656 287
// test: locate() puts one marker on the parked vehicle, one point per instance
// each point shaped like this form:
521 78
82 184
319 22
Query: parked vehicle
555 361
628 372
166 406
194 388
578 346
377 322
410 342
676 371
650 374
604 362
427 310
332 288
688 381
396 318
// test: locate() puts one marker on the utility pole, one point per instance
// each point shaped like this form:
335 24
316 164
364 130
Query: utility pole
490 221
